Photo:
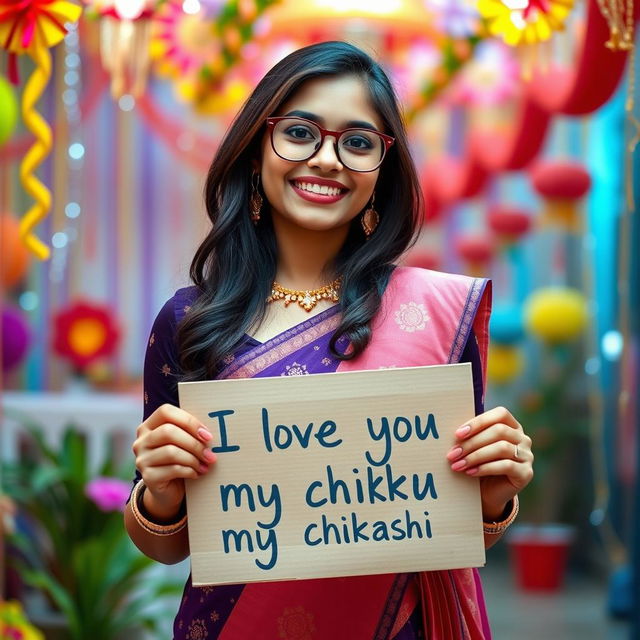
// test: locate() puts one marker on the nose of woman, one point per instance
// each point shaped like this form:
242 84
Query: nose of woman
326 157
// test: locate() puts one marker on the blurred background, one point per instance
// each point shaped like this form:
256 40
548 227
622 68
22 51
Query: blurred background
524 125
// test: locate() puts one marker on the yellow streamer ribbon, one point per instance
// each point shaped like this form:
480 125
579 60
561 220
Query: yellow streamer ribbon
37 153
33 27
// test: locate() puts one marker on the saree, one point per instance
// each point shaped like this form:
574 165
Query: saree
425 318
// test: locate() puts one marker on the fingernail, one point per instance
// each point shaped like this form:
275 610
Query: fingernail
463 431
209 456
454 453
472 471
203 468
204 435
461 464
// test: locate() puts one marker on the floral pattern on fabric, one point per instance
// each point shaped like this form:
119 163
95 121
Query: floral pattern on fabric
412 317
295 369
296 624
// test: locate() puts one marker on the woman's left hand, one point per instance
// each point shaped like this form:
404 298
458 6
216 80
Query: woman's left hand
494 447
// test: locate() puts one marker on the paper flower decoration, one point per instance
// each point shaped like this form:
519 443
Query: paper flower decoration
520 22
181 44
83 333
31 27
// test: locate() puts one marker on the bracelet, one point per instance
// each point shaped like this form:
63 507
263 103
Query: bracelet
148 525
493 528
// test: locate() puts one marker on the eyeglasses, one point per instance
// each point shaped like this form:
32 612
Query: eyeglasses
297 139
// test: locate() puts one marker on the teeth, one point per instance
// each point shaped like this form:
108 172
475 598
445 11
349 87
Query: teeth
316 188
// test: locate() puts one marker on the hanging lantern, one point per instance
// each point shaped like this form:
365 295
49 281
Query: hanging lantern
423 258
504 363
562 185
506 326
477 251
125 33
509 223
556 314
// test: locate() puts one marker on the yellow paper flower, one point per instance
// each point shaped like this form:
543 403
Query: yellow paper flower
520 22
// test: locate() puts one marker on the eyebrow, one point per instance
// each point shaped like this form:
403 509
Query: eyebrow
357 124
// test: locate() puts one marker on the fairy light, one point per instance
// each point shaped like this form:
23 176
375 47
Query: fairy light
63 239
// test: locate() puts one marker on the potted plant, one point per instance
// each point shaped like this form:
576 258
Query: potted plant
555 415
73 546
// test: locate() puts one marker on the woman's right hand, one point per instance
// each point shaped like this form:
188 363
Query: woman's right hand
170 445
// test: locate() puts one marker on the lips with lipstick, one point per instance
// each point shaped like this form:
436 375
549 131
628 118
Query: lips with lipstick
319 190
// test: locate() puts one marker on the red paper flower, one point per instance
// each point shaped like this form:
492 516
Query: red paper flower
84 333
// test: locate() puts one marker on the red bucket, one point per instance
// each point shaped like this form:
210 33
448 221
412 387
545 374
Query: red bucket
539 555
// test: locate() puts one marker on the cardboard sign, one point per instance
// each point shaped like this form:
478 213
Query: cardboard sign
333 475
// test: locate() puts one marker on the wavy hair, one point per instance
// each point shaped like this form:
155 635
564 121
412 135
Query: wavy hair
234 266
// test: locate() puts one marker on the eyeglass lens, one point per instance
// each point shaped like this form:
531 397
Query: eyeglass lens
297 140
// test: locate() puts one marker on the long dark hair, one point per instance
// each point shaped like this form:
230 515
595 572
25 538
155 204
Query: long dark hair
235 265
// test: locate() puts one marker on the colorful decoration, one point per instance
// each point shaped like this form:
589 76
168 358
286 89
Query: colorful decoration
125 33
424 259
504 364
32 27
14 256
562 185
556 314
16 337
216 89
506 327
181 44
456 18
621 21
509 223
491 77
8 110
476 250
14 624
84 333
524 21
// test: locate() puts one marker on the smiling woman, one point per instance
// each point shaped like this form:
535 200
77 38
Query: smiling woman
313 198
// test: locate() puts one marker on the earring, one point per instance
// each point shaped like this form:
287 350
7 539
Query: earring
255 202
370 219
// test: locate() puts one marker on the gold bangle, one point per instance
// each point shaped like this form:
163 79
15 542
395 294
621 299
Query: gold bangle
493 528
148 525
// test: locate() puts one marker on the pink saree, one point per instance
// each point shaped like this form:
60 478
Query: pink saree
426 318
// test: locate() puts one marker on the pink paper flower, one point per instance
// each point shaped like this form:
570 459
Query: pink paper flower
109 494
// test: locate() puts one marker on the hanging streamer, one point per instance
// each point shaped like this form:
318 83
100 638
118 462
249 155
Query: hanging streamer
32 27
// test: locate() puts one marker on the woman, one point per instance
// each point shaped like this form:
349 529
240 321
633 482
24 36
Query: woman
313 197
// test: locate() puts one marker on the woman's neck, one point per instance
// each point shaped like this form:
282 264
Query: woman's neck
305 258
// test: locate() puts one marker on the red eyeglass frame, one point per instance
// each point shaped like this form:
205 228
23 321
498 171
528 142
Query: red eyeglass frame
388 140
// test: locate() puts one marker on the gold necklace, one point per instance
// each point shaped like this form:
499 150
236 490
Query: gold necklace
309 298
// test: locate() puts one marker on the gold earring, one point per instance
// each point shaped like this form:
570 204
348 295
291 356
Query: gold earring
370 219
255 202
